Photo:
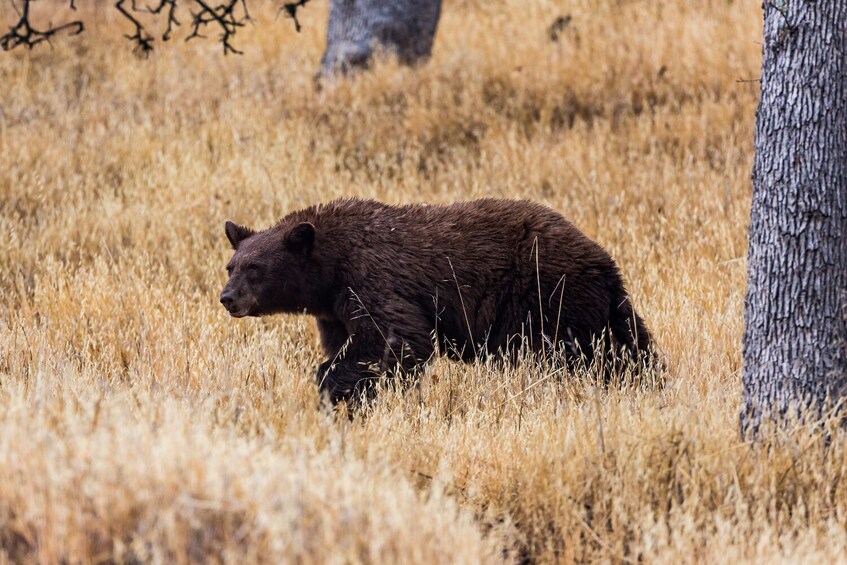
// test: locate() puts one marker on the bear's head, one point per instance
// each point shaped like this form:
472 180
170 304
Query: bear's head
271 271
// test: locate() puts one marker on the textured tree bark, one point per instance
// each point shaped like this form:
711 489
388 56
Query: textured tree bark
795 325
357 27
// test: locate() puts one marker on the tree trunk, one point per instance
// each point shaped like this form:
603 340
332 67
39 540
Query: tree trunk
795 326
357 27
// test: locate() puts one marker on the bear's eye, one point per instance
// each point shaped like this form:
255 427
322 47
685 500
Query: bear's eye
253 271
229 269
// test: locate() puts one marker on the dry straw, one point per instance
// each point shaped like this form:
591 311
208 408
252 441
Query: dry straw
139 422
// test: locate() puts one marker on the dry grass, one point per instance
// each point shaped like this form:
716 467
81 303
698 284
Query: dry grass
139 422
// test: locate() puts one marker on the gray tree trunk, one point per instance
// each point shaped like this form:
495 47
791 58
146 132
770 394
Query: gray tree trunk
795 324
359 27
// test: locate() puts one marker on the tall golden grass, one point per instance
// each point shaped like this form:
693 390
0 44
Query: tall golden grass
138 422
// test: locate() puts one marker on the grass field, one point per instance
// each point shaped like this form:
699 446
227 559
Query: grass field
138 422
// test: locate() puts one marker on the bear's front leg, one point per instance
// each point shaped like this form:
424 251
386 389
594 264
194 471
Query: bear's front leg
342 379
368 356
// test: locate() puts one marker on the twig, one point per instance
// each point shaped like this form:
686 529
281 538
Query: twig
224 16
561 298
290 9
143 40
464 310
24 34
554 32
540 302
228 16
172 21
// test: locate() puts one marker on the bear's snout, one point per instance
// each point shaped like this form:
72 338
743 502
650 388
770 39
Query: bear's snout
228 300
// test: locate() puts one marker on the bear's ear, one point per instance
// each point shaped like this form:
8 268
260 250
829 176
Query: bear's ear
236 234
301 239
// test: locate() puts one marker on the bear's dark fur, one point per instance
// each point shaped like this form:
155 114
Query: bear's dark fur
390 285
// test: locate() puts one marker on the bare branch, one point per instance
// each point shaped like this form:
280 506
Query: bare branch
290 9
143 40
227 16
554 32
24 34
223 16
172 21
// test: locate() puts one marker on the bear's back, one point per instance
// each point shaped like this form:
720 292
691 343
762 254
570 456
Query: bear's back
469 256
477 236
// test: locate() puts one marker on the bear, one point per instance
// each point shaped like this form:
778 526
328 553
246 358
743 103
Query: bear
393 286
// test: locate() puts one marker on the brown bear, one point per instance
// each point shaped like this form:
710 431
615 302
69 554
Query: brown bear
391 286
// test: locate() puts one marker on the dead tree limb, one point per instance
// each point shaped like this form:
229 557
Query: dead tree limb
290 9
24 34
224 16
143 40
227 17
172 21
